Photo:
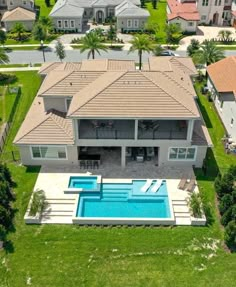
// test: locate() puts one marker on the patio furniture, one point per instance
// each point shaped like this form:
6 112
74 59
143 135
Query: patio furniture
95 164
89 164
182 183
191 185
157 185
146 185
82 164
95 124
110 124
142 126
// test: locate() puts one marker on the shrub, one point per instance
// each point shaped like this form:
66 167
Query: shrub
195 205
38 203
7 79
227 216
225 203
230 233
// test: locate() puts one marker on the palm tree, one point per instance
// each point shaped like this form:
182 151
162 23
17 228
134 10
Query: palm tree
19 29
141 43
208 53
3 57
93 43
46 22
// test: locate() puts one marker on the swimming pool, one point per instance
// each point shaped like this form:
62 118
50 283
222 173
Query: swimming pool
88 183
125 200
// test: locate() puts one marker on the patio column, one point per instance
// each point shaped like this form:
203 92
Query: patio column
123 156
190 130
136 129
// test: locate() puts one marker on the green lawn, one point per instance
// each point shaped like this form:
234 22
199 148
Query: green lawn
158 16
6 103
60 255
44 10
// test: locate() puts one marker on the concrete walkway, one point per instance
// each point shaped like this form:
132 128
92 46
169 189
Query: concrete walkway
19 69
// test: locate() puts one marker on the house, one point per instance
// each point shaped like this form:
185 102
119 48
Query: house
223 89
106 109
17 11
73 15
183 13
233 14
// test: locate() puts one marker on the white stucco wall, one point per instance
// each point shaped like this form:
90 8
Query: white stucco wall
122 23
210 10
185 25
227 111
10 24
77 22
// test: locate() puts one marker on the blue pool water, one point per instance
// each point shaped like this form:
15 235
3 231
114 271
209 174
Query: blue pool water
124 200
84 182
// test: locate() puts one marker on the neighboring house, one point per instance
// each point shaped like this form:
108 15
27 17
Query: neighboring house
26 17
72 15
233 13
222 84
109 107
17 11
130 17
183 13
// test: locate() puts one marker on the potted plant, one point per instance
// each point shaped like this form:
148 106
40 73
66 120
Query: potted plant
36 206
195 206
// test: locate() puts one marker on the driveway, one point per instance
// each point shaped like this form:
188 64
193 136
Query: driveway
204 33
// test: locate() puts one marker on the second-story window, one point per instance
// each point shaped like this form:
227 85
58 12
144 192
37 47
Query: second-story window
204 2
216 2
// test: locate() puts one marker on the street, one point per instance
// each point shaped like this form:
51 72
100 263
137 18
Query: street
26 57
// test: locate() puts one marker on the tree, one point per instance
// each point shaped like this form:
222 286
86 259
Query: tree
208 53
157 50
111 33
39 32
230 233
173 33
93 43
46 22
141 43
193 47
3 37
60 50
19 29
142 3
224 35
3 56
154 4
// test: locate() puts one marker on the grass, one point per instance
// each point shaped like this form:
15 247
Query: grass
158 16
67 255
31 41
6 104
225 48
44 10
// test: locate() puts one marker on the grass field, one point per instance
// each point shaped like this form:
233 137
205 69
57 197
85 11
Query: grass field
6 104
60 255
44 10
158 16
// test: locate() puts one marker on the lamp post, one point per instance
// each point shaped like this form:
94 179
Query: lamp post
42 47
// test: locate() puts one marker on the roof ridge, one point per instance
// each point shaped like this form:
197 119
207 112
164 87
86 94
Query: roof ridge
54 113
121 73
164 90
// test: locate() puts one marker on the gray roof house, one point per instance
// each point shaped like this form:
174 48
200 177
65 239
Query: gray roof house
72 15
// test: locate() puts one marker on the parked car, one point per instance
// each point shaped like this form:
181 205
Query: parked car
168 53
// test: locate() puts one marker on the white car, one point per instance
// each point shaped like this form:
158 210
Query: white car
168 53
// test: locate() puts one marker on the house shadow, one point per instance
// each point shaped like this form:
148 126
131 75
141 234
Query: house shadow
204 114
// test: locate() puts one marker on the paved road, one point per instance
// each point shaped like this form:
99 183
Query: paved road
26 57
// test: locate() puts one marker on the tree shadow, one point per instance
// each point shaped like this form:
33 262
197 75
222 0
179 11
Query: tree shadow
8 247
33 169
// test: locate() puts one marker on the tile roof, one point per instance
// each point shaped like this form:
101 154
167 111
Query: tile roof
134 94
65 8
128 9
185 10
223 75
19 14
40 127
201 135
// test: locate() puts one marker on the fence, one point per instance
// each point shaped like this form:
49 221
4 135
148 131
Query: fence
3 135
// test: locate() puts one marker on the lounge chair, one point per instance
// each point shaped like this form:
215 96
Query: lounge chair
191 185
157 185
146 185
182 183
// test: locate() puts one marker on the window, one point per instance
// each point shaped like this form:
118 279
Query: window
232 122
85 13
24 2
204 2
111 12
68 101
66 24
59 24
203 18
190 23
48 152
129 23
136 22
215 2
182 153
219 3
221 104
11 2
72 24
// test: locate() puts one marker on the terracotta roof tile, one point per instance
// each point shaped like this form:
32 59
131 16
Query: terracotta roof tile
185 10
19 14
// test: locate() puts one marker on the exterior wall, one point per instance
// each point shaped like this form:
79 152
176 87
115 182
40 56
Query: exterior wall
88 14
227 111
26 157
10 24
27 4
55 103
209 11
3 3
122 23
77 21
188 26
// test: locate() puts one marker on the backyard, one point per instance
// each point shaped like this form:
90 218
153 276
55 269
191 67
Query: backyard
66 255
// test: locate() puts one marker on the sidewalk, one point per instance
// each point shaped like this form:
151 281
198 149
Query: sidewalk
19 69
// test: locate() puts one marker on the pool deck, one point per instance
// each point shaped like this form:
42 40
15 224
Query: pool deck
61 206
